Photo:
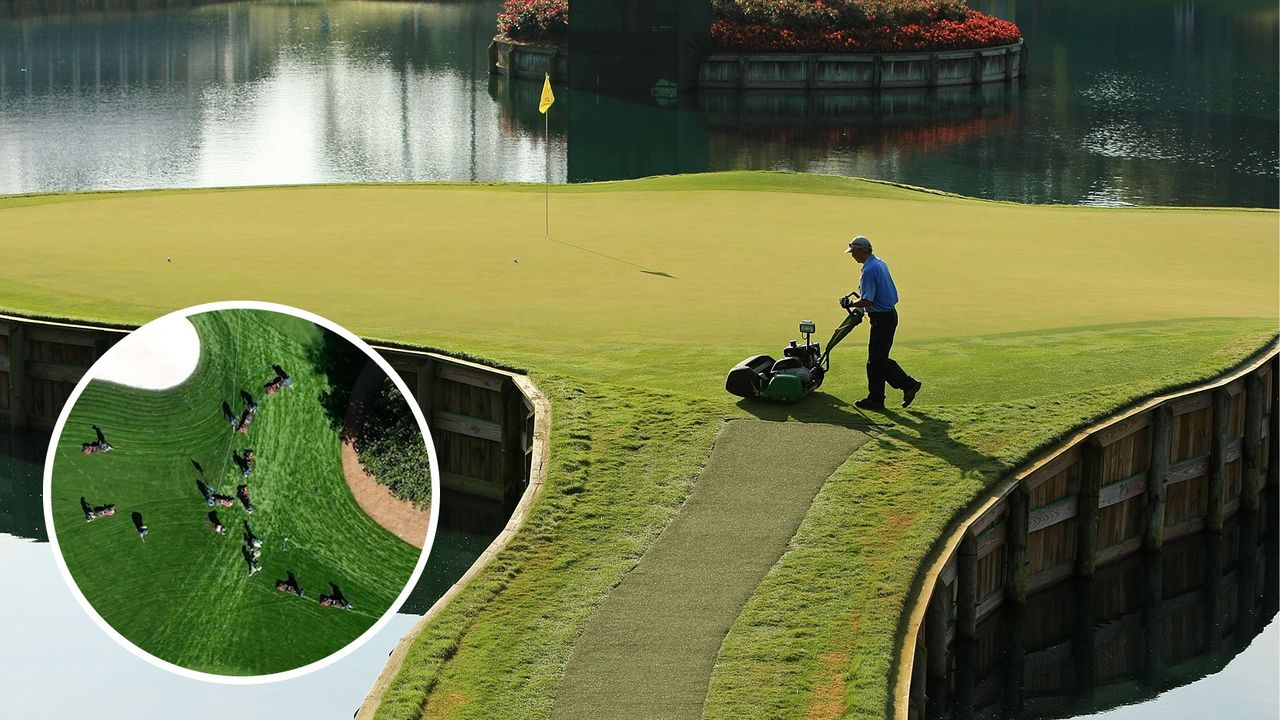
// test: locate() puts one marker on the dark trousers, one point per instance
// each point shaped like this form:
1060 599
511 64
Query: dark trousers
880 367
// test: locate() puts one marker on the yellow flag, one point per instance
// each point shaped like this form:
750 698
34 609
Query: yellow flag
547 97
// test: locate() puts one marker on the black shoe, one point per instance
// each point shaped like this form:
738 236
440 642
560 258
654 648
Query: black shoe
909 394
869 404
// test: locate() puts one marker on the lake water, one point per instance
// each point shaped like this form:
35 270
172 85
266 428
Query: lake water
1168 102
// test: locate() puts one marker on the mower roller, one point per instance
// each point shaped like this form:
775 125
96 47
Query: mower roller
798 373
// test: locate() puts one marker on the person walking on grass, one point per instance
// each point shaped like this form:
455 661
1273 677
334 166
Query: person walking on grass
878 296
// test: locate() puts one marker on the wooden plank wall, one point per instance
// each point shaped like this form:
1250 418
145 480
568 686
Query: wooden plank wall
479 421
40 364
1172 468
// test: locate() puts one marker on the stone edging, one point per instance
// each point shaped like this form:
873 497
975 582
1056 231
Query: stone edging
900 696
537 474
528 61
862 71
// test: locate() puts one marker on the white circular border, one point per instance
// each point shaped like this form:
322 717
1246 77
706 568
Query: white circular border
331 658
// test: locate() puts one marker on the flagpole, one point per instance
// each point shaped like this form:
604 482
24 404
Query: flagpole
544 107
546 177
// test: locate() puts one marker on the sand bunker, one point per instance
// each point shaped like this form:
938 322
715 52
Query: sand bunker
159 355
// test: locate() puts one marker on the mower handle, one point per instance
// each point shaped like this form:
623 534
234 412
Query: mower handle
853 294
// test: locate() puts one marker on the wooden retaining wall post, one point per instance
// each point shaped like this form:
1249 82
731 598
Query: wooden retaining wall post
1271 582
1251 457
1251 503
513 472
102 342
1153 655
966 625
1213 591
1221 404
1158 474
1087 507
18 376
1017 527
1273 427
1015 666
1247 594
426 376
935 641
1084 639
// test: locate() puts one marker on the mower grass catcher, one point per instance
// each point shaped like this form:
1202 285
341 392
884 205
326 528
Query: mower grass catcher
797 374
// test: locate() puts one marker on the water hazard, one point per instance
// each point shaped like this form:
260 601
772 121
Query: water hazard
1148 624
1166 103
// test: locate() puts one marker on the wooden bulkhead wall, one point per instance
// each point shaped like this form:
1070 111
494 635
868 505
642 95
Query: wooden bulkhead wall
1197 461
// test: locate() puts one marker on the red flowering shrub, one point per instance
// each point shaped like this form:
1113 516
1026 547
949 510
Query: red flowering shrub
830 15
804 25
534 19
976 31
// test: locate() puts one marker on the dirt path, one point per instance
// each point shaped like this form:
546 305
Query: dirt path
401 517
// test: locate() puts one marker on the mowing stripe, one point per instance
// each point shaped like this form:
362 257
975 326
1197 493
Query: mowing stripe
649 650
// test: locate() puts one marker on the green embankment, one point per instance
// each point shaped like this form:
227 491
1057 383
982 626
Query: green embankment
1023 322
185 595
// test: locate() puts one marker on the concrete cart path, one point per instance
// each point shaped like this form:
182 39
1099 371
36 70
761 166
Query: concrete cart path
649 650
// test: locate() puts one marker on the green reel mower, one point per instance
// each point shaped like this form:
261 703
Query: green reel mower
799 372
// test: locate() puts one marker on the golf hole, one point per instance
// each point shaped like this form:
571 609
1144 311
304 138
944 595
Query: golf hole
241 492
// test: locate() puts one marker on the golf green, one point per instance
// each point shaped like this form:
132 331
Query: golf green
1023 321
184 593
649 650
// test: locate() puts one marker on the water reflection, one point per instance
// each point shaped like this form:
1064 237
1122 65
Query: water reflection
1143 625
253 93
1171 102
21 465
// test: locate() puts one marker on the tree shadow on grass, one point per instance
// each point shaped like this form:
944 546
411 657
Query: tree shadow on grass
927 433
338 363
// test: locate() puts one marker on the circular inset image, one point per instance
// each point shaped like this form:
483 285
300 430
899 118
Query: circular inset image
241 492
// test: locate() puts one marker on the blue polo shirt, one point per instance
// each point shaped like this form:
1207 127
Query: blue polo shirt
877 286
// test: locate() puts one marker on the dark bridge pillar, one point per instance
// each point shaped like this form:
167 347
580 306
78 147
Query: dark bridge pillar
619 44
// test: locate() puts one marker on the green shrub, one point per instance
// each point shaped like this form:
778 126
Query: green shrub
391 447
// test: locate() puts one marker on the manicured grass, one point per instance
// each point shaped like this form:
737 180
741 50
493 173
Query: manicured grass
185 595
751 254
1023 322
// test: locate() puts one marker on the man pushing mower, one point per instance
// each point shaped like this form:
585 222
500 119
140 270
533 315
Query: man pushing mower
803 366
878 296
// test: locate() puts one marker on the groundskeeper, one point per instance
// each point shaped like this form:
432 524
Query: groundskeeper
878 295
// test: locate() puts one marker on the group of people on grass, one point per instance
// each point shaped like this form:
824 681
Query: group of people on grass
245 460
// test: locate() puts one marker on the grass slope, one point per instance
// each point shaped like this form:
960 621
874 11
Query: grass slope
649 651
185 595
1023 321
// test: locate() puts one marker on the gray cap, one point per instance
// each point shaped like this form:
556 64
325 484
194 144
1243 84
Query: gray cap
860 243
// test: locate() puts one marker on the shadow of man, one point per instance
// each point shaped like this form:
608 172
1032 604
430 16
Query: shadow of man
915 427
